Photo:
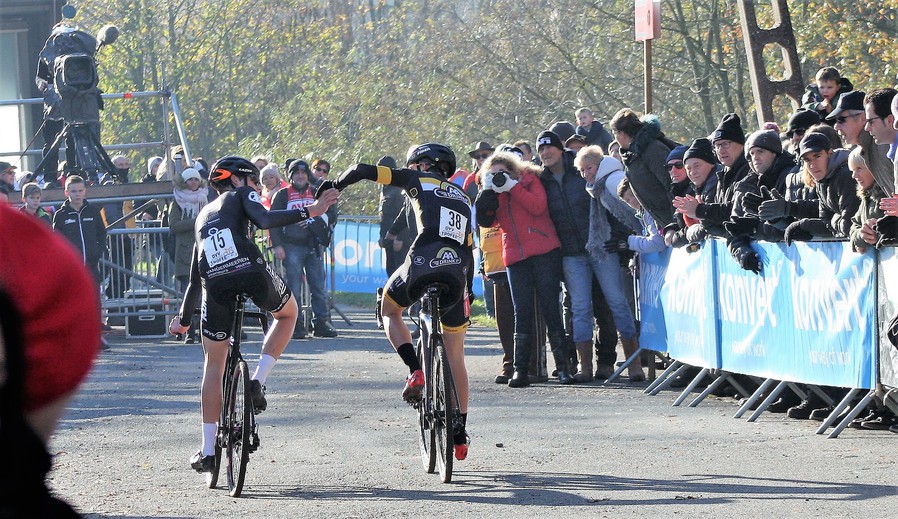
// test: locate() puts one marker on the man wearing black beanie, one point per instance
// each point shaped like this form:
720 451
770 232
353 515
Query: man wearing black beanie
728 141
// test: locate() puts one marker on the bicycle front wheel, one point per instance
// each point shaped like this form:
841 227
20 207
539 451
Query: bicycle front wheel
240 428
441 379
426 435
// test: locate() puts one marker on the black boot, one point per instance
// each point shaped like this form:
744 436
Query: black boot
562 358
521 361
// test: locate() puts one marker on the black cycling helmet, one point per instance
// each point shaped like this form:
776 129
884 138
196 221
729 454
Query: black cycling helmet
439 154
226 167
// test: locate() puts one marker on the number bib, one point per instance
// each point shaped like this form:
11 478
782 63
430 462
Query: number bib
453 225
219 247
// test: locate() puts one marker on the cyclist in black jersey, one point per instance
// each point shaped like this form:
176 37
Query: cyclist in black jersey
442 251
226 262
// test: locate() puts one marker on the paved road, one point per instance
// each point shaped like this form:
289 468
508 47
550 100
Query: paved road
338 442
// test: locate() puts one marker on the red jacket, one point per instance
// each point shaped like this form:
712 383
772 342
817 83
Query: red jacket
523 216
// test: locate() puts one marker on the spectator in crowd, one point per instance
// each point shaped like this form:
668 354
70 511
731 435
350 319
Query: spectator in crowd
569 205
703 171
650 240
153 164
82 224
675 233
643 149
575 143
525 148
122 170
614 151
563 129
49 338
798 125
299 246
31 198
392 202
863 234
828 86
478 155
728 141
531 253
190 197
271 183
769 165
458 178
610 222
320 170
7 179
121 244
590 128
827 171
175 165
260 161
849 121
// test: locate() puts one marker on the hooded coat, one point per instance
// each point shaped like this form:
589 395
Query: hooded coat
644 164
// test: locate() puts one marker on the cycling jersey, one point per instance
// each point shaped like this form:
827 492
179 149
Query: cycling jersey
443 249
226 260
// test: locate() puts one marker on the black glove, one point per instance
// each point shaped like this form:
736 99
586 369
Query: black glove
742 226
749 260
774 205
327 184
613 246
887 227
751 202
805 230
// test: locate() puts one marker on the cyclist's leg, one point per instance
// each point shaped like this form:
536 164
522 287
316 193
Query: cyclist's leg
216 324
394 325
275 297
281 329
455 350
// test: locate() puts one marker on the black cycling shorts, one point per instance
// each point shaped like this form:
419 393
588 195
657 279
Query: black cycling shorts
264 286
436 262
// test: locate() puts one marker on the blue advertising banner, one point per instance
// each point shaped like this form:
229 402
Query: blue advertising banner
652 271
808 317
359 264
687 299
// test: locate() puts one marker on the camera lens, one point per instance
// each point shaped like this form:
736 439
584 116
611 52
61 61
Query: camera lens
499 179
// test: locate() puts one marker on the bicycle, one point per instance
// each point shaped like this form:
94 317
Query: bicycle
238 432
438 413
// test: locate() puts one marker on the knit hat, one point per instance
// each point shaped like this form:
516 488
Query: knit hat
676 153
563 129
701 149
802 119
853 100
767 139
387 161
730 129
189 173
548 138
812 142
508 148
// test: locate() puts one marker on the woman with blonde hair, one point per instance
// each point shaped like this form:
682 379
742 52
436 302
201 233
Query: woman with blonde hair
513 198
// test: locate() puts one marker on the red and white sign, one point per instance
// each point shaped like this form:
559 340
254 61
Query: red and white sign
648 19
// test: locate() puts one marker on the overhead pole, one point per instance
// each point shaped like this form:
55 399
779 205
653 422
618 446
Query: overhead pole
755 39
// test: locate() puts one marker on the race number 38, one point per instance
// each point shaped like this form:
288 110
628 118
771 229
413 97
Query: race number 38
219 247
453 225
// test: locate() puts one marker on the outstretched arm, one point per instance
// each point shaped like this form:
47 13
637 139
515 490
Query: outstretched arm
265 219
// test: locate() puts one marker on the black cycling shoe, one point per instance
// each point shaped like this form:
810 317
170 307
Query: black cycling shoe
257 390
202 463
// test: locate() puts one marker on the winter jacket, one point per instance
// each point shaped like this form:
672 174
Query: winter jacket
837 193
523 216
644 163
84 228
597 135
868 208
713 212
181 227
568 207
308 233
604 208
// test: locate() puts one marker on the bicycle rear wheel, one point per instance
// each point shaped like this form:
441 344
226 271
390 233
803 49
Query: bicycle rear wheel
426 434
239 429
441 378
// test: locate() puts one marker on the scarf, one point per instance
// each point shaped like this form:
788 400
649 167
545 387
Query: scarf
191 202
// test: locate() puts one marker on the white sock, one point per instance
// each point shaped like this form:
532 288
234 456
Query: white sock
266 363
209 432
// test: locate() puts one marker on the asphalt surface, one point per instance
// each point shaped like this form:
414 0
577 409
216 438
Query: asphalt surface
337 441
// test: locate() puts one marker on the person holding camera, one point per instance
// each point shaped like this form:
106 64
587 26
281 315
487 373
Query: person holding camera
513 198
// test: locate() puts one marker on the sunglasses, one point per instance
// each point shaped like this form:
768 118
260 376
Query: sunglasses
800 133
671 165
482 156
323 170
843 118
